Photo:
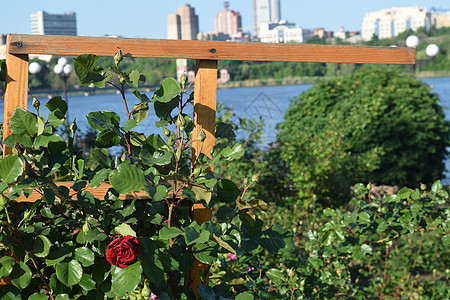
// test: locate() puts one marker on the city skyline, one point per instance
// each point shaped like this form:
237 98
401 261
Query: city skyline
148 20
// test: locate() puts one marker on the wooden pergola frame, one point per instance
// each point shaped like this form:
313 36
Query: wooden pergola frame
206 54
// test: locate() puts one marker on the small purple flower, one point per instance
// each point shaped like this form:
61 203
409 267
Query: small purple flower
153 297
249 269
231 256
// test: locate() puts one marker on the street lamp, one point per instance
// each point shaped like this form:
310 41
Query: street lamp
432 50
63 69
34 68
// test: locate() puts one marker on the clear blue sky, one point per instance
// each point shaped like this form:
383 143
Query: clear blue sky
147 19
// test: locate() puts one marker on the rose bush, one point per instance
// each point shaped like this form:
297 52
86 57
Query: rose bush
123 251
73 243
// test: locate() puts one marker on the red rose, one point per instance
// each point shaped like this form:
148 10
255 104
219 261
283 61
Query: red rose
123 251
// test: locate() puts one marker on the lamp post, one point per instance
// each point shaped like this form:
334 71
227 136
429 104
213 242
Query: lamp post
431 50
63 69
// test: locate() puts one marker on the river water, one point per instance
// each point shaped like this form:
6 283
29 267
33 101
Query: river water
268 102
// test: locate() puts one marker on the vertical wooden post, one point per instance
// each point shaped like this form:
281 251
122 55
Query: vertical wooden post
205 91
16 90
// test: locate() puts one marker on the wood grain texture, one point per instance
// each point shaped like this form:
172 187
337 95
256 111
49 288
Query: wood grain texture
16 87
210 50
205 91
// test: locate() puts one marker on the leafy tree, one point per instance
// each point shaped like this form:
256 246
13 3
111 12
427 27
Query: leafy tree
378 125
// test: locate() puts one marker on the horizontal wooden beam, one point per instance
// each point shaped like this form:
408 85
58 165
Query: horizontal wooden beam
210 50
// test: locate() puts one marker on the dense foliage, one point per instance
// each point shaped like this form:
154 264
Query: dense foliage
71 244
378 125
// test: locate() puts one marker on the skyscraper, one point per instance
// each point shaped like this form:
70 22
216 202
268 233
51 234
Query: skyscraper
53 24
183 24
228 21
266 11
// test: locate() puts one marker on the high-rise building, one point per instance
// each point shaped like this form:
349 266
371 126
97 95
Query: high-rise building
266 11
53 24
228 21
440 17
388 23
183 24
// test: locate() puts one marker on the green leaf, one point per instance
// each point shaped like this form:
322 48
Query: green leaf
329 212
55 119
125 229
57 104
364 217
207 254
127 211
85 256
315 261
13 139
62 297
328 238
160 193
101 158
90 236
276 239
436 187
125 280
99 177
224 130
404 193
70 272
23 122
41 246
107 139
201 193
6 266
133 78
103 120
192 236
44 139
169 89
382 227
10 292
58 255
142 97
11 167
253 204
163 110
152 267
140 112
244 296
89 74
21 275
129 124
275 275
225 213
169 233
446 240
38 296
86 282
205 292
127 179
235 152
227 191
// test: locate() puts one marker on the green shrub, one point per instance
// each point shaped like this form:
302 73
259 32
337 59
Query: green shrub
378 125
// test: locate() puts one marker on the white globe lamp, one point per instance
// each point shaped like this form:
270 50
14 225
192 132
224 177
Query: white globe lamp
412 41
34 68
58 69
432 50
